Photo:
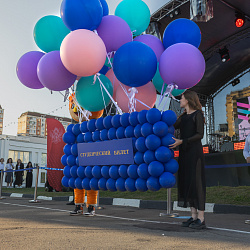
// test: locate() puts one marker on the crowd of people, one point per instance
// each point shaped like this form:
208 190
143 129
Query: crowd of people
15 178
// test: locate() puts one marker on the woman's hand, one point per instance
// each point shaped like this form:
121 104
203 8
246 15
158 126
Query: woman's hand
176 144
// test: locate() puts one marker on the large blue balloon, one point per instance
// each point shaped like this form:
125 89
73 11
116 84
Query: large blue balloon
160 128
81 172
169 117
96 135
65 181
99 123
113 172
146 129
134 64
78 183
105 172
116 121
138 158
153 183
91 125
69 127
76 129
142 116
94 184
163 154
153 115
71 160
120 133
111 185
67 149
80 138
129 132
96 172
120 184
73 171
64 160
105 7
72 182
81 14
133 120
88 172
149 156
152 142
155 168
69 138
107 122
74 149
83 127
137 131
85 183
66 171
104 135
102 184
123 171
182 31
141 185
167 180
124 119
143 171
132 171
88 137
140 145
171 166
112 134
167 140
130 185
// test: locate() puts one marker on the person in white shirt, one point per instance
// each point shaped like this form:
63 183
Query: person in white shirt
9 175
246 151
1 166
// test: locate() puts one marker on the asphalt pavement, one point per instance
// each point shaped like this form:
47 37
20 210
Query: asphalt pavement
47 225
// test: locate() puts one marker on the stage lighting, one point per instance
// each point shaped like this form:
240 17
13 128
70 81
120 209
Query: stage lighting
175 13
235 82
239 19
224 54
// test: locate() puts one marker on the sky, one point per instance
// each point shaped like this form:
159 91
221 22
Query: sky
17 21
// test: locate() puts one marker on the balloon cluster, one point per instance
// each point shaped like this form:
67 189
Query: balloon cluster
86 41
153 168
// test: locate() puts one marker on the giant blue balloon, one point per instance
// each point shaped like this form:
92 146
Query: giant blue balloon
105 7
66 171
120 184
135 64
141 185
81 14
182 30
65 181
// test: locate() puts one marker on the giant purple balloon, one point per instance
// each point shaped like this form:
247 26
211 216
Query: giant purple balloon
27 69
182 64
114 32
52 73
153 42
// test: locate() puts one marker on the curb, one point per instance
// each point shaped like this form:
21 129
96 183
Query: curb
146 204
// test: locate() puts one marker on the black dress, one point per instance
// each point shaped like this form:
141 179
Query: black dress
19 175
191 175
29 177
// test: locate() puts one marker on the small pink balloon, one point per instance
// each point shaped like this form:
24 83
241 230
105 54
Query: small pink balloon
153 42
115 82
83 52
146 94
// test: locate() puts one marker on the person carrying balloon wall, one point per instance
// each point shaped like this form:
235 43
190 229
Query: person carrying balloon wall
191 174
80 200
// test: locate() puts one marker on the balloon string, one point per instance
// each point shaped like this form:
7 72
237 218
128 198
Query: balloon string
131 95
142 103
115 103
82 113
162 96
103 98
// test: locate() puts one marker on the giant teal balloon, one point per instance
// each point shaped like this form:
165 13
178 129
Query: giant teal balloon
136 13
49 33
158 81
90 96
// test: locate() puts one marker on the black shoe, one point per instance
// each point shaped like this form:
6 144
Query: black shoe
188 222
77 211
197 224
91 211
70 203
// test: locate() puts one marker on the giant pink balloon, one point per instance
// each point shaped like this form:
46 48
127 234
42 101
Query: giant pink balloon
182 64
83 53
115 82
146 94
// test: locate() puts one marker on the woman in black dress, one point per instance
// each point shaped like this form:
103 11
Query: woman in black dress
19 174
29 176
191 174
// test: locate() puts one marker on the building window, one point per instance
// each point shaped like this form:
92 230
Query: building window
22 155
44 159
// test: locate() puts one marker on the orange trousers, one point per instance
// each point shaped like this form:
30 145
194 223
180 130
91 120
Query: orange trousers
80 197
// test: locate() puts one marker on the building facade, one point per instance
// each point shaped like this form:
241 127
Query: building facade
1 119
27 149
34 124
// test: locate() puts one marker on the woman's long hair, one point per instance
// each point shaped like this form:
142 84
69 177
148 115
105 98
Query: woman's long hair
193 100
